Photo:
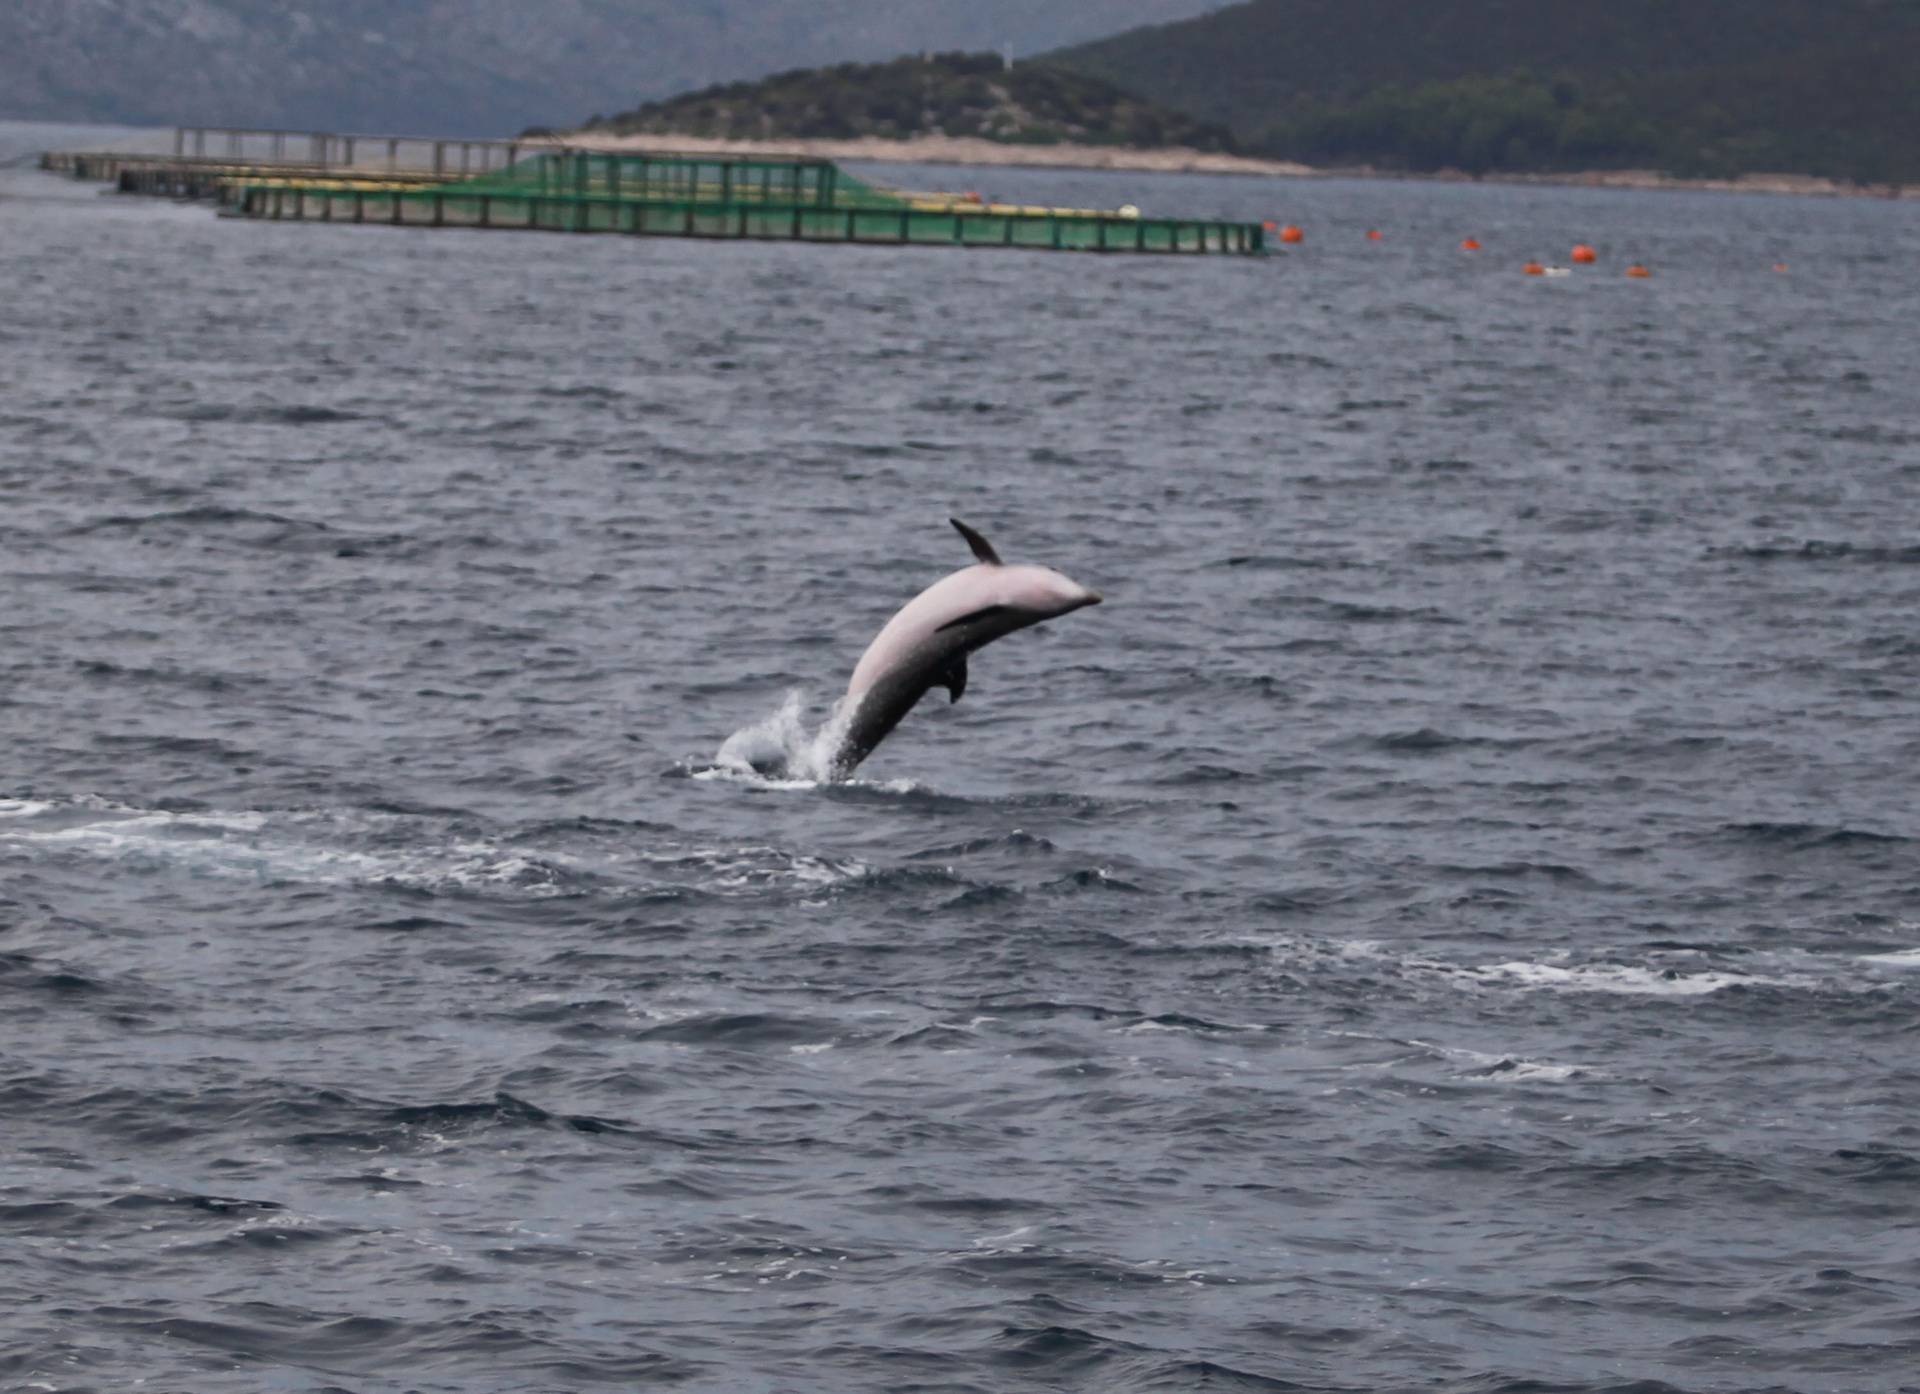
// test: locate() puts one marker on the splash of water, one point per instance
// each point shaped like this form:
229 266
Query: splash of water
786 746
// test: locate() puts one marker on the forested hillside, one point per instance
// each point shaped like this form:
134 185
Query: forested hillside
1700 87
471 67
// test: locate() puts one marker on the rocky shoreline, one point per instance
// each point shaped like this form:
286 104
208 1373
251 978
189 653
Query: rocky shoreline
956 150
952 150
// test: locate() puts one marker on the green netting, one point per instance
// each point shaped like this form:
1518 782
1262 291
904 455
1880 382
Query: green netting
719 196
469 204
681 179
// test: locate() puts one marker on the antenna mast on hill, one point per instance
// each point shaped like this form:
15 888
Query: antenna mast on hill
1006 53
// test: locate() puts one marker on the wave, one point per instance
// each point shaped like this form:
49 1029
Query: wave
1809 836
1428 740
436 853
1820 550
261 414
1894 958
246 846
259 528
1629 975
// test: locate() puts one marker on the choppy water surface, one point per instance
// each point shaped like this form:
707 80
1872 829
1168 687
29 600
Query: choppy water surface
1448 922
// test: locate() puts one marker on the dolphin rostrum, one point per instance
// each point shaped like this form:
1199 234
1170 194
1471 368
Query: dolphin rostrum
926 644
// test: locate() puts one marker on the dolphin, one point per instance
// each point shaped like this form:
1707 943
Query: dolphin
926 644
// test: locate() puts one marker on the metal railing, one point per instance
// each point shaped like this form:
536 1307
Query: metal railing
444 156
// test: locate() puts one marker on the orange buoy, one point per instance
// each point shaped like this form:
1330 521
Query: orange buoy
1373 234
1585 255
1291 234
1534 268
1472 244
1638 272
1780 266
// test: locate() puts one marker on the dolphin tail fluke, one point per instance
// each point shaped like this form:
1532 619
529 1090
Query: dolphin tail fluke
982 549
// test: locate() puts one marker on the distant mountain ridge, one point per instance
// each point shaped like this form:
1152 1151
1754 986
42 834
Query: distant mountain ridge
1701 87
945 94
470 67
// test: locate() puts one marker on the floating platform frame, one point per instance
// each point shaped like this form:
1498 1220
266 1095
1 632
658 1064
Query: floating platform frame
406 181
719 197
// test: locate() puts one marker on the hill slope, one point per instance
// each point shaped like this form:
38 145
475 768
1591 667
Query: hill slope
950 94
1705 86
470 67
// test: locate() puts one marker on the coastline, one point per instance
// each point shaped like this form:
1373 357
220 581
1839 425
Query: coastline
970 150
953 150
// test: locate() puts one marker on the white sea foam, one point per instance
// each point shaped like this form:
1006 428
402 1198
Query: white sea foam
1005 1243
1506 1069
726 869
784 749
272 847
336 847
1898 958
1619 978
1623 979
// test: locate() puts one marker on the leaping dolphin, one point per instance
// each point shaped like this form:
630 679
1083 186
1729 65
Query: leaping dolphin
926 644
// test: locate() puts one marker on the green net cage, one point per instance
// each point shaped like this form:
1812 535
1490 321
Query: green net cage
715 196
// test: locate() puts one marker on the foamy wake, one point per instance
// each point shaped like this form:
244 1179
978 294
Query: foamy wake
361 848
1677 977
784 749
290 846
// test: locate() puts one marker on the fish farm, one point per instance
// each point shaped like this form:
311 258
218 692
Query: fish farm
501 185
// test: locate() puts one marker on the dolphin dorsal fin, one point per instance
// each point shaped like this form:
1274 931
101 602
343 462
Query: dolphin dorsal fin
982 549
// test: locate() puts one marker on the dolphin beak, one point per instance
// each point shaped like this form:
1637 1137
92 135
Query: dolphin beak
1092 598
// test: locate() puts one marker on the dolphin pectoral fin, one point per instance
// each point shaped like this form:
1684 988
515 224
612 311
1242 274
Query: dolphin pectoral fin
973 616
953 677
982 549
